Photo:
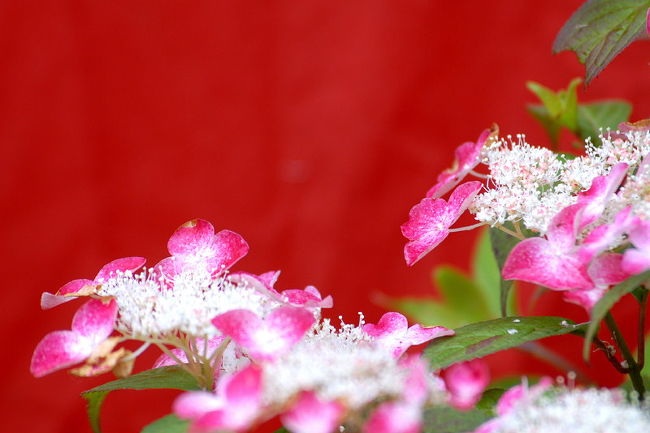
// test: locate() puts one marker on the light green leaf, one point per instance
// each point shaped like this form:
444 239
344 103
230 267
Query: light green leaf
502 244
549 98
479 339
444 419
600 29
606 303
167 424
605 114
549 123
558 109
485 271
461 294
159 378
428 312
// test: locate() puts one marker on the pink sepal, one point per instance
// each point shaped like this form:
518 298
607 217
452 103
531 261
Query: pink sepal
637 259
395 417
553 262
49 300
310 297
393 333
95 320
309 414
193 405
58 350
265 339
467 157
466 382
596 197
263 283
195 246
235 406
429 221
125 264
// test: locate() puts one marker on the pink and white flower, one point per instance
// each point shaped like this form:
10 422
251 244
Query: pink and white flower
76 288
602 189
194 247
269 337
465 382
310 414
393 333
468 156
637 259
235 406
91 326
430 220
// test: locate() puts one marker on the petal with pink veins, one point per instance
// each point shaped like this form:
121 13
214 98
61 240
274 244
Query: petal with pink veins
58 350
95 320
310 297
191 237
229 248
265 339
599 193
429 221
466 382
394 417
309 414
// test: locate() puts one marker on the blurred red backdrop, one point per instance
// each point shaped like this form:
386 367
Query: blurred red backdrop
309 127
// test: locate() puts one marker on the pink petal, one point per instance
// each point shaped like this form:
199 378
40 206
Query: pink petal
307 298
490 426
269 278
95 320
466 382
636 261
539 261
467 157
605 236
120 265
268 338
510 398
563 229
49 300
416 384
585 298
58 350
192 236
640 234
229 248
601 190
166 270
418 334
309 414
389 324
429 220
394 417
193 405
607 270
258 282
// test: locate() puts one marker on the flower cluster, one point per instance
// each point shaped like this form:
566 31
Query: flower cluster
558 409
255 351
583 222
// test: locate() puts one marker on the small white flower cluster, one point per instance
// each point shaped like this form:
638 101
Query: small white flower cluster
339 365
149 307
532 184
563 410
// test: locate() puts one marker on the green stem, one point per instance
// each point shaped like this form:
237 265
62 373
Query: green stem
633 367
643 303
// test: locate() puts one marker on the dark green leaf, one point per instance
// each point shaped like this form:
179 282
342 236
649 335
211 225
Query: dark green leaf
600 29
167 424
606 114
483 338
606 303
449 420
159 378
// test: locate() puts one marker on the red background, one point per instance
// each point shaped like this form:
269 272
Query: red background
309 127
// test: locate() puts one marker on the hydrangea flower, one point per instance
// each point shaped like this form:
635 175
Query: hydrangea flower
83 287
430 220
310 414
465 382
91 326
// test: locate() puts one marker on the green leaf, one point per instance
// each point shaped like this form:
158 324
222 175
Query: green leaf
457 289
502 244
490 398
606 114
167 424
549 123
485 271
159 378
444 419
558 109
600 29
606 303
549 98
479 339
